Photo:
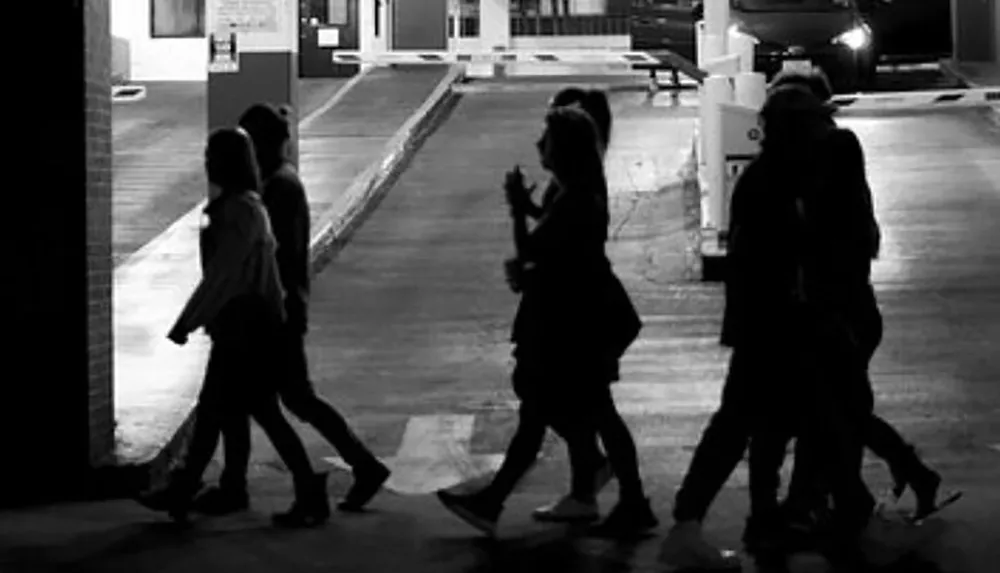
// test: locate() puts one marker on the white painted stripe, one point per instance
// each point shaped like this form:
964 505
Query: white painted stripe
995 447
434 455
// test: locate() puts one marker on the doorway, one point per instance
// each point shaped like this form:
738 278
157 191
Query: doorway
419 25
326 25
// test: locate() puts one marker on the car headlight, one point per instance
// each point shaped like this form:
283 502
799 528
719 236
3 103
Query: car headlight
855 38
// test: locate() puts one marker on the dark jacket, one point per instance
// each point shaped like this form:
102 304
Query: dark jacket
286 202
573 311
802 228
240 292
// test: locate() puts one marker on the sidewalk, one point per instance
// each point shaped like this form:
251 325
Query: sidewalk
347 154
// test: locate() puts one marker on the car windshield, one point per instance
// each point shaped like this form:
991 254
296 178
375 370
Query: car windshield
791 5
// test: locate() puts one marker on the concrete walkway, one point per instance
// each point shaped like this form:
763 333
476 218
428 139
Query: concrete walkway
345 150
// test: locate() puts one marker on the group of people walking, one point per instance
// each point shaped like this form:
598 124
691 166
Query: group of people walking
801 319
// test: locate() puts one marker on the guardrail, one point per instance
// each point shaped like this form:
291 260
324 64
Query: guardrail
582 57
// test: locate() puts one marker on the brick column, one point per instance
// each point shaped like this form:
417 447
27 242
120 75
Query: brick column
56 410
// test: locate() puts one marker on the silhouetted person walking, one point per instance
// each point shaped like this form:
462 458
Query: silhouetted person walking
573 324
285 200
239 302
907 469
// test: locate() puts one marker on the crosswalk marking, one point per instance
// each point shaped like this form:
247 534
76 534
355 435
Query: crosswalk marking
434 455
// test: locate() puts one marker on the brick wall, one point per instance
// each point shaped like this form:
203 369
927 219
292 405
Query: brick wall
97 74
56 414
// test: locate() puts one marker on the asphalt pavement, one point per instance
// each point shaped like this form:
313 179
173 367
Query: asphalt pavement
409 339
159 145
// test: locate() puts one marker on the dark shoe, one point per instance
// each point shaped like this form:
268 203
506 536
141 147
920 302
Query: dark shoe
685 549
367 483
221 501
763 534
175 499
311 507
627 519
474 510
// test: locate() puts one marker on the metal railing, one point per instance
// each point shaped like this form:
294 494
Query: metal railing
559 25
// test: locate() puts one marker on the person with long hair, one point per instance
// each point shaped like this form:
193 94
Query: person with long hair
573 324
240 304
581 502
285 199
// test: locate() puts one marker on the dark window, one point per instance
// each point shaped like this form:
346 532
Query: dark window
177 18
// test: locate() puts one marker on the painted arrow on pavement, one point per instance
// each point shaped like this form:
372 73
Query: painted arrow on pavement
434 455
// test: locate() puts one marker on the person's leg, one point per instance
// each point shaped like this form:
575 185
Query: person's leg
482 509
231 494
311 506
906 466
299 396
721 448
588 466
183 483
632 514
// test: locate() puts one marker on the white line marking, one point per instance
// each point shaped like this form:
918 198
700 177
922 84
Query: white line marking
434 455
995 447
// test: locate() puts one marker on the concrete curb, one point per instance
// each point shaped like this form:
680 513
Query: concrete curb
335 228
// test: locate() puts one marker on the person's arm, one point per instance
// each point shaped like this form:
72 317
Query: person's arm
289 213
221 276
863 204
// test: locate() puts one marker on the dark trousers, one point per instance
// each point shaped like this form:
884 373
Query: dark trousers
238 386
578 410
723 442
291 382
758 397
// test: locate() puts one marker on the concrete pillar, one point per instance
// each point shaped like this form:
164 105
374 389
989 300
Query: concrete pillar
57 411
267 46
494 35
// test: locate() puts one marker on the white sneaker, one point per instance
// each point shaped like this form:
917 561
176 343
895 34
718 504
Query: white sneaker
568 509
684 548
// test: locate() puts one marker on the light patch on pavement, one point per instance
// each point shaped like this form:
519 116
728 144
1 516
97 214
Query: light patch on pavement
434 455
638 398
996 447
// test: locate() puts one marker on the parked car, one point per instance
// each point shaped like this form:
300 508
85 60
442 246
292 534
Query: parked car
795 34
665 25
846 38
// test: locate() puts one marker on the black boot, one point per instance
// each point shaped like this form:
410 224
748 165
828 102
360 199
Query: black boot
367 482
222 500
175 499
311 507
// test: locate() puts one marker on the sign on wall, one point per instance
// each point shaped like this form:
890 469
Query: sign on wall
247 16
223 55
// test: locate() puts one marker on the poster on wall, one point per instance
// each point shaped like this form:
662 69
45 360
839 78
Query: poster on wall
247 16
223 55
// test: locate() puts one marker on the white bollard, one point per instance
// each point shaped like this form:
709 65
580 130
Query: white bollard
714 48
716 90
744 46
751 89
716 17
